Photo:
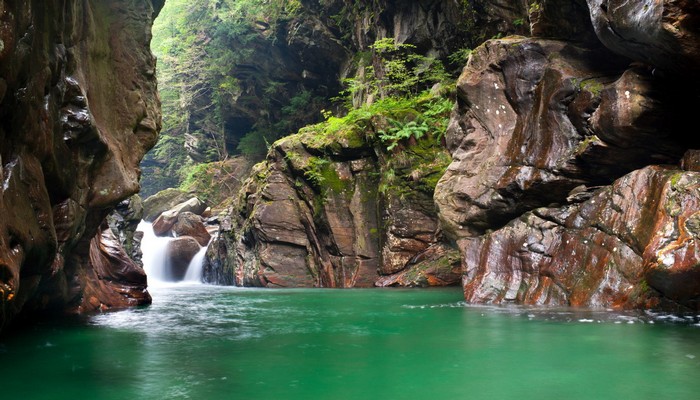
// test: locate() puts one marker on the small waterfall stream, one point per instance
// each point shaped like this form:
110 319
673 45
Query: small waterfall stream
155 258
194 270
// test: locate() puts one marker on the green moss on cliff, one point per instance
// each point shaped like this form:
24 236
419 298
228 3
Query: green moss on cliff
218 182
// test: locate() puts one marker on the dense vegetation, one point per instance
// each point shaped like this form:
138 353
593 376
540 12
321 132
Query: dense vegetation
205 49
232 83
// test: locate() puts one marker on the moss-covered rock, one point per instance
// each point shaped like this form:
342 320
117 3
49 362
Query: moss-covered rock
323 211
162 201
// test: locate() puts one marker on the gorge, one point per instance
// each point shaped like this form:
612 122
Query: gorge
530 164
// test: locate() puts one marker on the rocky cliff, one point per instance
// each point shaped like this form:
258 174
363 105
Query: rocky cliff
571 179
566 185
78 110
334 206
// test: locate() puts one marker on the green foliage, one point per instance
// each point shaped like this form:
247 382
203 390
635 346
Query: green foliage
254 145
409 129
401 131
199 45
460 56
432 120
214 182
397 71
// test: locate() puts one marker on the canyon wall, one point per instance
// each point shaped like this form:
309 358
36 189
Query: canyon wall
345 211
572 177
78 110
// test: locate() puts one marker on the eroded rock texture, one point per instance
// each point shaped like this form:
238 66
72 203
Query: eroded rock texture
314 215
633 244
78 110
548 197
661 33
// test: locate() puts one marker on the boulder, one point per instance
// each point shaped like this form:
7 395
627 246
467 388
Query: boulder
189 224
164 223
162 201
193 205
180 252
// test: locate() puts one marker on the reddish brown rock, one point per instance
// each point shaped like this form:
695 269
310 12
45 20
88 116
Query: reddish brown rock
79 108
411 232
180 252
536 119
691 160
438 265
189 224
662 33
632 244
163 225
114 280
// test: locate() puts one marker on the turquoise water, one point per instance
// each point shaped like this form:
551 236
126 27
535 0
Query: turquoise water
204 342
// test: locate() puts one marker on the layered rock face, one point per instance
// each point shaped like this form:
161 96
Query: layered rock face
78 110
571 181
328 213
545 196
321 214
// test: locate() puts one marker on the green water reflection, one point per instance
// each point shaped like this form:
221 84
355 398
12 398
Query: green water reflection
200 342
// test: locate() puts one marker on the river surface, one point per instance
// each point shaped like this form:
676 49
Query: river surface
207 342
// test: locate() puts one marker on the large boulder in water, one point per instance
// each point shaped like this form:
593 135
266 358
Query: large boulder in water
189 224
164 223
180 252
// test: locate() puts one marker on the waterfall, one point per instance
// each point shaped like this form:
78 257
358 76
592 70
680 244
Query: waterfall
194 269
156 261
154 249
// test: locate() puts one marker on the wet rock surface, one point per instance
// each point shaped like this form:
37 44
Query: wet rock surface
627 246
189 224
180 252
78 110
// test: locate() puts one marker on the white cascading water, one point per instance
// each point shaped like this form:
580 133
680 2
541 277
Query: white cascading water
194 269
155 260
154 249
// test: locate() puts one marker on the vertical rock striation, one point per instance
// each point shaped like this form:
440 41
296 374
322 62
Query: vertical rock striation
78 110
566 185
